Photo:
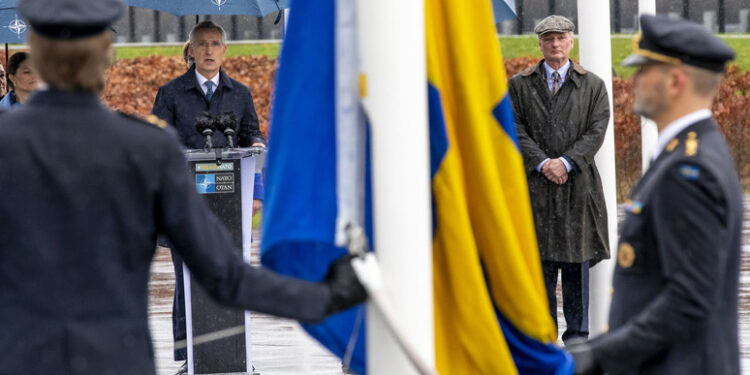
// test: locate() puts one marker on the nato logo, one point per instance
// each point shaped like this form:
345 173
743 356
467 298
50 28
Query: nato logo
206 183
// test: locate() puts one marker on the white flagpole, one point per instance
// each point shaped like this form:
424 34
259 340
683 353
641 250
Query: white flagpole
594 51
392 49
649 132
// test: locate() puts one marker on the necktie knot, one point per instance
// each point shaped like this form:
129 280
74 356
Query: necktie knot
209 89
555 82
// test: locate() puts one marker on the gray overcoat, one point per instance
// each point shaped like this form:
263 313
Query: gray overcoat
570 219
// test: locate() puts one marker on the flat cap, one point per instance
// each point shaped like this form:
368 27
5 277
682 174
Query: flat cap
676 41
70 19
554 24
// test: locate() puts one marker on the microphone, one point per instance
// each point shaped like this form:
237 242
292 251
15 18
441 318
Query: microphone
227 124
205 124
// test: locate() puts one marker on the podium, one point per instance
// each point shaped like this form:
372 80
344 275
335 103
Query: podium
218 338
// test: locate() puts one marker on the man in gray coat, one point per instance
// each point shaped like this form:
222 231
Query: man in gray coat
561 114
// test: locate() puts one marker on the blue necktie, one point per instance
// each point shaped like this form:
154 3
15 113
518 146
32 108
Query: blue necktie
209 89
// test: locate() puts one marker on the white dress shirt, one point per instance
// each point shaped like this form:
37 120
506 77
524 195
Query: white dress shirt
202 81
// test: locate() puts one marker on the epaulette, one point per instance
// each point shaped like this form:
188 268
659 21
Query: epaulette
150 119
690 144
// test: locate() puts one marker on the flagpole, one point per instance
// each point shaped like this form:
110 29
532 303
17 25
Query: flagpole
595 53
394 89
649 132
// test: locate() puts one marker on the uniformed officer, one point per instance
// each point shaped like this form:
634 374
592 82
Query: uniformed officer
84 193
674 307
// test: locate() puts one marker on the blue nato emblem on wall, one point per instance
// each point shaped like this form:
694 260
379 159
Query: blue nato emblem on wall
205 183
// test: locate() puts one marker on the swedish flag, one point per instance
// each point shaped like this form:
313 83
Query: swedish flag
491 314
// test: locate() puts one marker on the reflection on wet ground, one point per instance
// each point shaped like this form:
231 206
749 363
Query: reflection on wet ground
744 302
281 347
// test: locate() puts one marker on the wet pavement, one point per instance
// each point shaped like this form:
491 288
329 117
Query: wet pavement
744 301
280 347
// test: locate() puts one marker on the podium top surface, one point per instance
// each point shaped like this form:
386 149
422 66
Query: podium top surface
225 153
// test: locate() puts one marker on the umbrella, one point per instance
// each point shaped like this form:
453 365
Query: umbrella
228 7
12 28
504 9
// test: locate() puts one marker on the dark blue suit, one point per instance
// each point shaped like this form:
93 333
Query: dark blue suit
84 193
181 100
674 307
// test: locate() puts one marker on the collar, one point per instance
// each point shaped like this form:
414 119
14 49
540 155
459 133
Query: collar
202 80
563 71
538 68
64 98
190 80
12 98
675 127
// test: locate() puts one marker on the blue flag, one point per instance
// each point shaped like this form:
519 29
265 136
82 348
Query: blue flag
302 179
12 27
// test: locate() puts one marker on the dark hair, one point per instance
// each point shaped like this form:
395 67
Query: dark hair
207 25
13 64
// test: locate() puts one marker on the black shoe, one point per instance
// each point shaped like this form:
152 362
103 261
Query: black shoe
182 370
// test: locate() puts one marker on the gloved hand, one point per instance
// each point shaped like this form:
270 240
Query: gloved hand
341 281
585 362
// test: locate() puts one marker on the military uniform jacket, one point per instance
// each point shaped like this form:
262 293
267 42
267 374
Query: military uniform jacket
674 307
84 193
570 219
181 100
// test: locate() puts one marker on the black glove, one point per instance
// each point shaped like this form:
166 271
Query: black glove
585 362
342 283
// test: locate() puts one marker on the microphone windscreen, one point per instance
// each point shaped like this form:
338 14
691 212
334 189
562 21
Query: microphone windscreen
205 121
227 121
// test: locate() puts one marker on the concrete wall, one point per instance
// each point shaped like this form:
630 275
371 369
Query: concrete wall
534 10
145 25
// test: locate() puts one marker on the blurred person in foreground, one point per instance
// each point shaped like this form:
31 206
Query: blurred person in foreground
674 305
85 192
22 81
561 112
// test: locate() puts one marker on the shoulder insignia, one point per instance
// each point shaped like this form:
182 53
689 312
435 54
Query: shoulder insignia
152 119
689 172
691 144
673 144
625 255
633 207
